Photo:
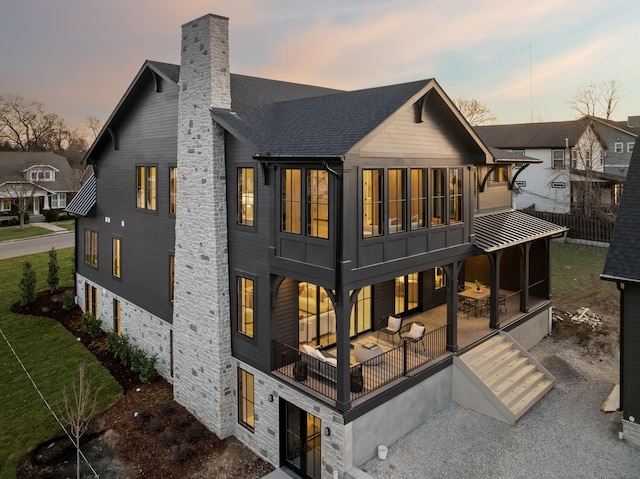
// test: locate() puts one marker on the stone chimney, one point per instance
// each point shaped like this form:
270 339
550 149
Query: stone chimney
203 367
633 121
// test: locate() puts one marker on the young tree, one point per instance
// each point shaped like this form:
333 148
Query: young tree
78 408
21 191
476 112
596 99
53 279
27 284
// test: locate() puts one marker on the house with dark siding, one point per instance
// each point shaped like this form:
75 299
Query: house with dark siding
261 238
622 266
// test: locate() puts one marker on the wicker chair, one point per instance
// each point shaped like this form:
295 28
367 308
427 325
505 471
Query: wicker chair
413 333
390 326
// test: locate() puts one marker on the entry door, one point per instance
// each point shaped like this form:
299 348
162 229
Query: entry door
301 441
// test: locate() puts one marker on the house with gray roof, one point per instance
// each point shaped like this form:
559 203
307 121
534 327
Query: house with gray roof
576 170
622 266
44 179
317 271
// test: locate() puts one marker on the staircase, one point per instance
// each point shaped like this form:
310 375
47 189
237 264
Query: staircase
499 378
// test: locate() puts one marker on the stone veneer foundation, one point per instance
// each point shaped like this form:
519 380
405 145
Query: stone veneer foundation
203 367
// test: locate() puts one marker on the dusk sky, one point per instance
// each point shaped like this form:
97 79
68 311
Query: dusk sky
525 59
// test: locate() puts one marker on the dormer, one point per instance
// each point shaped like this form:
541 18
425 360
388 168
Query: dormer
41 173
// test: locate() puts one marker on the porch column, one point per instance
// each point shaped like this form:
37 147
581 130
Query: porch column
494 311
46 202
452 270
343 383
547 244
525 250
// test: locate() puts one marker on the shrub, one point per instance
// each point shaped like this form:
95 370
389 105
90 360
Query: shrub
166 439
119 346
182 452
68 301
166 408
26 218
156 425
13 222
142 416
194 433
27 284
51 215
132 357
136 358
53 278
91 325
148 371
181 423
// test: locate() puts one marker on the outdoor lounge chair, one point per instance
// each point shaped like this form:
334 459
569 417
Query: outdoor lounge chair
389 326
413 333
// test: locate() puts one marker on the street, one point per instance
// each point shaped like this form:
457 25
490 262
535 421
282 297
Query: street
38 244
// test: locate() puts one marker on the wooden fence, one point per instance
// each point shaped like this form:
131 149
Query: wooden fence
580 227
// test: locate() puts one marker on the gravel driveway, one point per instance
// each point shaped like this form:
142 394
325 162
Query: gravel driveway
565 435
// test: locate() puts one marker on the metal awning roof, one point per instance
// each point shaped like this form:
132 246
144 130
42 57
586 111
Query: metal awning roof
85 199
496 231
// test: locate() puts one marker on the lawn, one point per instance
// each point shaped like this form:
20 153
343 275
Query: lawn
14 232
66 224
51 356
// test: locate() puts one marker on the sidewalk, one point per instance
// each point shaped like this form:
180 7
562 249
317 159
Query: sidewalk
50 227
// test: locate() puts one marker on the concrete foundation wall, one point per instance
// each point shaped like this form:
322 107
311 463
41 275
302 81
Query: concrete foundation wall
144 330
394 419
534 330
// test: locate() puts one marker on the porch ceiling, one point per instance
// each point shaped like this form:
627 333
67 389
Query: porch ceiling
509 228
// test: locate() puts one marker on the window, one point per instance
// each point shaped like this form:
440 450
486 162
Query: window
574 159
172 277
361 312
438 187
91 300
406 293
440 279
245 306
246 408
117 311
245 196
455 195
316 320
371 203
91 247
397 200
5 204
518 152
41 175
617 147
115 253
291 201
146 187
418 198
58 201
499 175
558 158
318 203
630 147
173 189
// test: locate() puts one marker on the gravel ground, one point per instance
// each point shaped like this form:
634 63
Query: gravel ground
565 435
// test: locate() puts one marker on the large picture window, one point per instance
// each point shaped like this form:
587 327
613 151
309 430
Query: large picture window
173 190
318 203
397 200
245 306
418 198
371 203
245 196
146 187
115 248
455 195
246 399
91 247
438 187
291 201
362 312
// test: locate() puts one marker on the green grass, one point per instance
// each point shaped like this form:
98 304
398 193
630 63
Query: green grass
50 354
66 224
14 232
575 278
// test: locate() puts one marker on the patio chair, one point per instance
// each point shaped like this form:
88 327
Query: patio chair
413 333
465 305
502 302
389 326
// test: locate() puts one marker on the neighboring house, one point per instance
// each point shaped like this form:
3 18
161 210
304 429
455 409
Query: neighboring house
43 179
572 175
623 266
619 136
233 225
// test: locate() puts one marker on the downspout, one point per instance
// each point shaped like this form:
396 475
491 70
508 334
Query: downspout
620 287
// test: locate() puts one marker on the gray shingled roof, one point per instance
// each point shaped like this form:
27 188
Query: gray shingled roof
504 229
533 135
13 164
623 260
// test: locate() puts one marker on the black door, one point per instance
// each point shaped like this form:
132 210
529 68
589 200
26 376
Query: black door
301 440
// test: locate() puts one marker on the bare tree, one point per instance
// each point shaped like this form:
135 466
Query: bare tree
94 125
21 191
476 112
78 408
596 99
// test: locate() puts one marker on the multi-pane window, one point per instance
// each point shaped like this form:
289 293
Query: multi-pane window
418 198
438 188
245 196
630 146
361 312
5 204
618 147
318 203
173 189
115 253
246 401
117 315
440 279
245 306
172 276
291 200
146 187
91 247
91 299
371 203
455 195
406 293
499 175
557 156
397 199
58 201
